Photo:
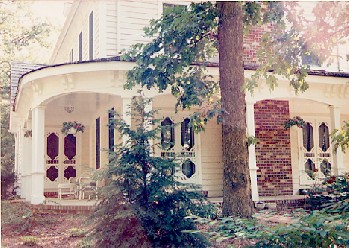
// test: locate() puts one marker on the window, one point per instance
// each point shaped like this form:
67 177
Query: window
71 56
167 134
187 135
188 168
167 6
98 143
111 129
310 168
325 167
308 141
311 60
90 24
80 47
324 137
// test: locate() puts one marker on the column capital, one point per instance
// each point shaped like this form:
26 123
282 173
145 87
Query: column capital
250 102
41 106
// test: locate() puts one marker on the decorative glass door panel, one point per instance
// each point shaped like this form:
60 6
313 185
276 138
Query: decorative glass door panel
315 152
61 158
179 141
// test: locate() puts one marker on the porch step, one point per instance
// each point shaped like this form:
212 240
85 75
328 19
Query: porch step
65 209
67 205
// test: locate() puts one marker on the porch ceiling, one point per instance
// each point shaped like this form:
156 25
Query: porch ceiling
84 105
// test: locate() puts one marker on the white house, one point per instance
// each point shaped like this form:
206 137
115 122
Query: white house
85 79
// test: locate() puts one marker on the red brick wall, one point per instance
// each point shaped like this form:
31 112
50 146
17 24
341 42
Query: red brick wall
251 43
273 152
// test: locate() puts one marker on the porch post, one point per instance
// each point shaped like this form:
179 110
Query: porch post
26 168
252 150
19 166
126 104
148 127
38 161
338 157
17 169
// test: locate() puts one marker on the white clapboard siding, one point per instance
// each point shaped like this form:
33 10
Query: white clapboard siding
211 160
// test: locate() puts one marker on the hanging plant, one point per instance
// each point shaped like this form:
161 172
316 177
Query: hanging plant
68 125
295 121
28 133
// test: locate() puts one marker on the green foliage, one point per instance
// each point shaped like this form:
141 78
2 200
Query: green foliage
17 214
18 33
252 140
68 125
336 197
86 242
116 224
182 37
30 240
8 177
295 121
77 232
143 192
315 229
340 137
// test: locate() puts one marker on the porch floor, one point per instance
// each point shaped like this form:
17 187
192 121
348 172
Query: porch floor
75 205
266 198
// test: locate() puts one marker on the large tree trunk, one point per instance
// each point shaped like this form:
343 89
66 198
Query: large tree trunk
237 199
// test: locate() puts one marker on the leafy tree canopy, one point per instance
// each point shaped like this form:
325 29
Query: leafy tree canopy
19 29
184 37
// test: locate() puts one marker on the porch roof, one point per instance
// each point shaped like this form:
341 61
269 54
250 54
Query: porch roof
20 69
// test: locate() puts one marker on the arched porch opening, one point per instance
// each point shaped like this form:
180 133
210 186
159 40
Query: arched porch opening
293 159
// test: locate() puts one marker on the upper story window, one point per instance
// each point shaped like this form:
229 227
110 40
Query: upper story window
187 135
167 134
71 55
80 47
90 31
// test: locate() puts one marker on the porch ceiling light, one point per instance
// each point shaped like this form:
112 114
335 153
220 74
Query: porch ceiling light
69 109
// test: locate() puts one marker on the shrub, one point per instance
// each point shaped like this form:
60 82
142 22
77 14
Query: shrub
317 229
77 232
16 213
30 240
337 189
8 177
144 193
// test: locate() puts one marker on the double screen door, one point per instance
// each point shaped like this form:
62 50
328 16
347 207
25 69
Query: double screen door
62 155
315 151
179 141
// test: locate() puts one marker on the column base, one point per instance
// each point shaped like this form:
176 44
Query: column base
37 186
37 199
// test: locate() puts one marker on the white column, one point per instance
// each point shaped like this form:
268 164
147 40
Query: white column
17 169
126 114
338 157
148 127
19 162
26 168
252 150
38 151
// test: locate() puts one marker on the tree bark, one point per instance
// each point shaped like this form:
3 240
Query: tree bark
237 200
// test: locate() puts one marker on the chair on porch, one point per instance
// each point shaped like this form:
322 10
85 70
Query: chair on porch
87 186
69 188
